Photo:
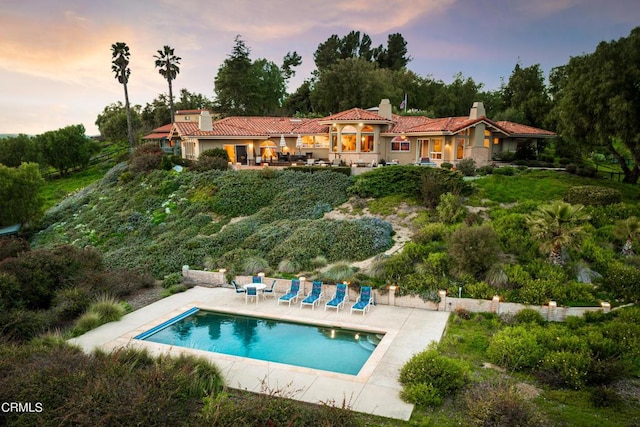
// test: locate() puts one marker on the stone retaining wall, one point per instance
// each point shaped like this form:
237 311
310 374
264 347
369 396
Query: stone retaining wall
550 312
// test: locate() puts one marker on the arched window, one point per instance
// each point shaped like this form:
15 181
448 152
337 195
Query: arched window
349 134
366 139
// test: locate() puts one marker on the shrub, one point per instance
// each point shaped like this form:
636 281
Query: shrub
215 152
287 266
473 250
467 167
565 368
499 405
623 281
444 374
515 348
529 315
446 165
586 170
593 195
506 156
421 394
486 170
107 308
450 209
504 170
206 163
145 158
88 321
70 302
171 280
11 247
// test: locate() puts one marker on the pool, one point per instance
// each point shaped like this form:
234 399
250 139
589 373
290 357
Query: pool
312 346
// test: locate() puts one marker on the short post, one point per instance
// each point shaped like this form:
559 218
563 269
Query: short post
606 307
495 304
551 314
392 295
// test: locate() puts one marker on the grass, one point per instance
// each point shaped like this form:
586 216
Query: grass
57 189
541 186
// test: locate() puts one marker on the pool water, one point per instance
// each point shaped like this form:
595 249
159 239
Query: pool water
312 346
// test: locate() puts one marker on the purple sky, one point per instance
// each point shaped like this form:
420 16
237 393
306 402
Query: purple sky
55 66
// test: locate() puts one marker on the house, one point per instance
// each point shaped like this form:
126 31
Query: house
354 137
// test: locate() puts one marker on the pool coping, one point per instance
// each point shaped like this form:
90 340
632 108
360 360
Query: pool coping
375 390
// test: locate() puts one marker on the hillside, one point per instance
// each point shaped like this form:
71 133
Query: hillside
245 221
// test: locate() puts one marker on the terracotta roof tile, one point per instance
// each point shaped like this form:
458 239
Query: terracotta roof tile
516 129
355 114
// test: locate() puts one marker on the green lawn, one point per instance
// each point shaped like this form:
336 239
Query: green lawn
542 186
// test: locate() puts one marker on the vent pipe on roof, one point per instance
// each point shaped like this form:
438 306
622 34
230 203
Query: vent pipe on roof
385 109
477 111
204 121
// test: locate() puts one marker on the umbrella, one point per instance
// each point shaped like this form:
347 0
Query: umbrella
299 142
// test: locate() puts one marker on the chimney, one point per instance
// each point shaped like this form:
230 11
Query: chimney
477 111
385 109
204 121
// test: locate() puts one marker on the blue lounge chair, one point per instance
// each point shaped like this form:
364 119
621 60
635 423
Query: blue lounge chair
337 301
252 292
270 291
239 290
293 293
364 301
313 298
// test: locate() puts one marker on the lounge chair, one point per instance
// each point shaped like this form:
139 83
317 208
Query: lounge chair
313 298
426 161
270 291
337 300
252 292
238 289
363 303
293 293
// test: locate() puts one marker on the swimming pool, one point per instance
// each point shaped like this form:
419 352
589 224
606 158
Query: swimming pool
312 346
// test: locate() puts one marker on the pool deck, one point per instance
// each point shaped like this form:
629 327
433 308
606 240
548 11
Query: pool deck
375 390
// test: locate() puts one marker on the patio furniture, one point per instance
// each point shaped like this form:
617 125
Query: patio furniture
293 293
256 279
364 301
238 289
426 161
270 291
313 298
252 292
337 300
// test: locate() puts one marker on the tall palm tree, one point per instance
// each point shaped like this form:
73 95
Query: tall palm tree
120 66
167 63
627 230
557 225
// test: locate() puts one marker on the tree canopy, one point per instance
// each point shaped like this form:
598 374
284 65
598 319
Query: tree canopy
67 148
20 198
167 63
120 55
598 100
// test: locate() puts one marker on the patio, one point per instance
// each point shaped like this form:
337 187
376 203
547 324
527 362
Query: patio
375 390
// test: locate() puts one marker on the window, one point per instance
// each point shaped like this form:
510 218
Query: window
349 138
436 148
459 148
487 138
366 139
400 144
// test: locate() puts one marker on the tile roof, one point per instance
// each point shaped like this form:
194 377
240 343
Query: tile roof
516 129
355 114
250 126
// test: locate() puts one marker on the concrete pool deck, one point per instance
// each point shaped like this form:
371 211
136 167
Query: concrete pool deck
375 390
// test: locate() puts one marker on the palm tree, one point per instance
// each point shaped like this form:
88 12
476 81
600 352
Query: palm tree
120 66
557 225
167 63
627 230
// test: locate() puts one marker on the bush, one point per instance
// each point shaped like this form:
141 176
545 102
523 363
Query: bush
623 281
565 369
571 168
499 405
172 280
215 152
587 171
206 163
450 209
506 156
486 170
529 315
515 348
445 375
11 247
474 250
146 158
446 165
107 308
421 394
505 170
467 167
593 195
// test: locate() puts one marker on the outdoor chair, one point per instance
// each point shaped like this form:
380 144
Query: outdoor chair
337 300
252 292
293 293
256 279
238 289
313 298
270 291
364 301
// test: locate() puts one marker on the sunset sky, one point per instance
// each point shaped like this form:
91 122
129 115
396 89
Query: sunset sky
55 56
